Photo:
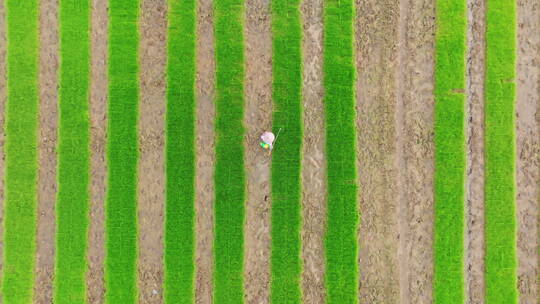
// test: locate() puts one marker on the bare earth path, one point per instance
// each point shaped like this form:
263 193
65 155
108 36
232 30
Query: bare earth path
376 93
257 119
474 255
314 160
528 147
98 165
414 118
204 183
3 91
151 188
48 116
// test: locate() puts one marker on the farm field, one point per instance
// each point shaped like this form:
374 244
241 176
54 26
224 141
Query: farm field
406 166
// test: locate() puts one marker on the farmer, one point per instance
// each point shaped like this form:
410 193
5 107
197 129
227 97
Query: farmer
267 139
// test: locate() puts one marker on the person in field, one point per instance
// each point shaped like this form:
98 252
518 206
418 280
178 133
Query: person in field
267 140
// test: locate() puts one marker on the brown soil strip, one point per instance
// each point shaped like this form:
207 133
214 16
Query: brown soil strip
205 143
258 118
377 62
415 149
528 148
474 242
151 188
98 165
314 160
3 80
48 116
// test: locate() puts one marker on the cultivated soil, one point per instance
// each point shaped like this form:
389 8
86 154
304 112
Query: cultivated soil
205 144
98 139
47 143
377 61
151 187
474 242
313 151
257 119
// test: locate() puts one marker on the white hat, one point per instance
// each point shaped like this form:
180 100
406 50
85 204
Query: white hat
268 137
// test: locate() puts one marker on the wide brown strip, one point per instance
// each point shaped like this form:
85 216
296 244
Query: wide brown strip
48 122
313 150
528 148
205 144
415 148
3 90
258 118
377 31
474 256
151 188
98 135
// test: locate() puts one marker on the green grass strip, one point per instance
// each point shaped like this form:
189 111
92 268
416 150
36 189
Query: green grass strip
500 227
21 151
341 247
180 151
286 157
122 153
229 172
73 153
448 286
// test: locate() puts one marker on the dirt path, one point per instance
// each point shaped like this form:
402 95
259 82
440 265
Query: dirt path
377 62
3 91
415 160
98 139
528 147
314 160
474 258
151 187
205 143
257 119
48 117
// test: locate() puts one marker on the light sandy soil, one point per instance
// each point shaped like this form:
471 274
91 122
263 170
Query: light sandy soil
314 160
376 109
3 92
474 242
205 144
151 181
47 185
257 119
98 138
415 149
528 147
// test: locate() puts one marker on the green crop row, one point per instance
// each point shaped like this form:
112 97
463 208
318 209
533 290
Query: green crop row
286 157
229 171
21 151
180 153
122 153
500 223
448 286
73 153
341 247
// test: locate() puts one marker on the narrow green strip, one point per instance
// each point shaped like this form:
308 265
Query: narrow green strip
73 153
500 227
21 151
448 286
286 157
341 247
180 150
122 153
229 173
